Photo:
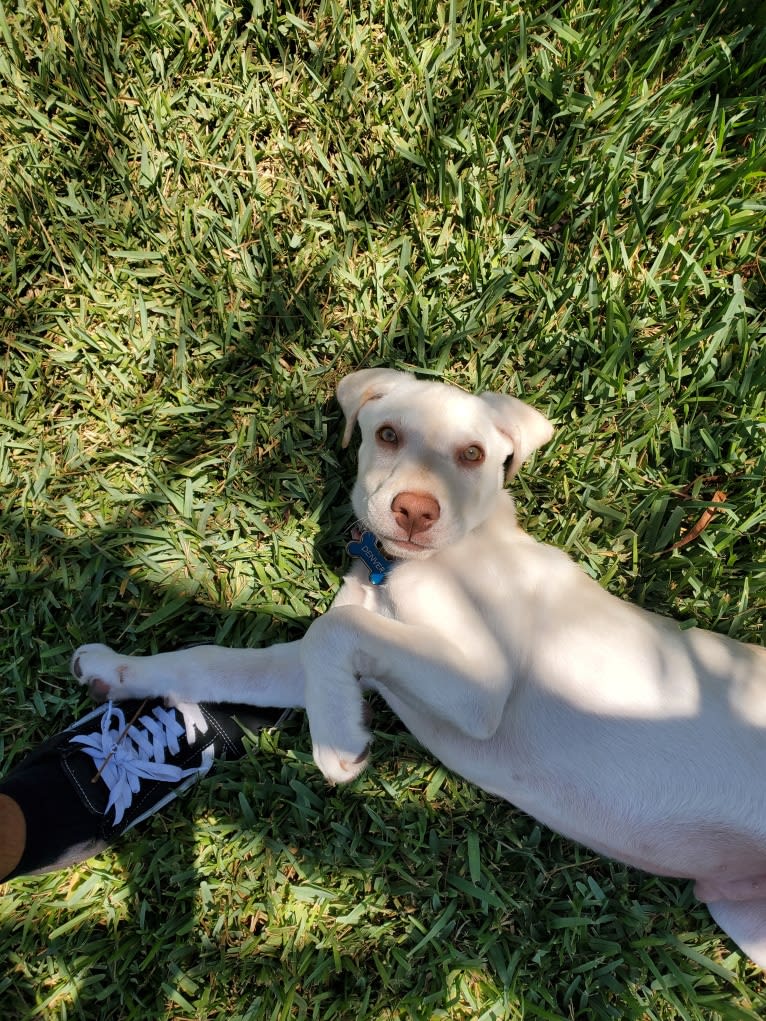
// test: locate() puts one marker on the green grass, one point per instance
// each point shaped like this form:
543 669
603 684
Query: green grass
209 212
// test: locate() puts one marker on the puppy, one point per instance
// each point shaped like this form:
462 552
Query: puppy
606 722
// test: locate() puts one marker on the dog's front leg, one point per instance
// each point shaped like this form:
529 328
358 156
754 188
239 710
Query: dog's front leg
351 648
272 676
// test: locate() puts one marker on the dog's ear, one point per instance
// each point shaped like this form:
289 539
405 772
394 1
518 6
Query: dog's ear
365 385
525 426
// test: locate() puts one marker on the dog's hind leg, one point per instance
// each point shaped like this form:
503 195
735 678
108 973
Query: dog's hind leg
745 922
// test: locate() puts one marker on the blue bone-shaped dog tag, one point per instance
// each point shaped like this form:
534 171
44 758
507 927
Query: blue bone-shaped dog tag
367 551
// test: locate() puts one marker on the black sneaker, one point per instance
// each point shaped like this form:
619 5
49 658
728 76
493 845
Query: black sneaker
82 789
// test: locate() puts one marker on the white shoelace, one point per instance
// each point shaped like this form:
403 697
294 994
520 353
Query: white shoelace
125 756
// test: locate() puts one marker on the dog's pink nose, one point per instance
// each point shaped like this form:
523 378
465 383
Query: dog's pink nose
415 512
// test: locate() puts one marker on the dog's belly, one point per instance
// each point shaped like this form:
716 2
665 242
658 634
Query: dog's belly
636 795
642 741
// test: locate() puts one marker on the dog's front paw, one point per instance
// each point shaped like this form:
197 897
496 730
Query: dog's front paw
338 716
104 672
340 766
340 739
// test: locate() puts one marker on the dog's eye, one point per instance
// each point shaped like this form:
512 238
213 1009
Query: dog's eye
387 435
473 454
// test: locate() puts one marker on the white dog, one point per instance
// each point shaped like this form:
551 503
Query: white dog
606 722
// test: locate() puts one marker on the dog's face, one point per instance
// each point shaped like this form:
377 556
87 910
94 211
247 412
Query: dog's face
433 458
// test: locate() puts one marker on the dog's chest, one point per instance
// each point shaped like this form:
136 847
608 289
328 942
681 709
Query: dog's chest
418 593
357 590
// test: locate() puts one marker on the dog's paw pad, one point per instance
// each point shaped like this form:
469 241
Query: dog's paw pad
340 767
101 670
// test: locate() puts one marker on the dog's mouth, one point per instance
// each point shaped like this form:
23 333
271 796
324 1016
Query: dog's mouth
400 548
405 547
